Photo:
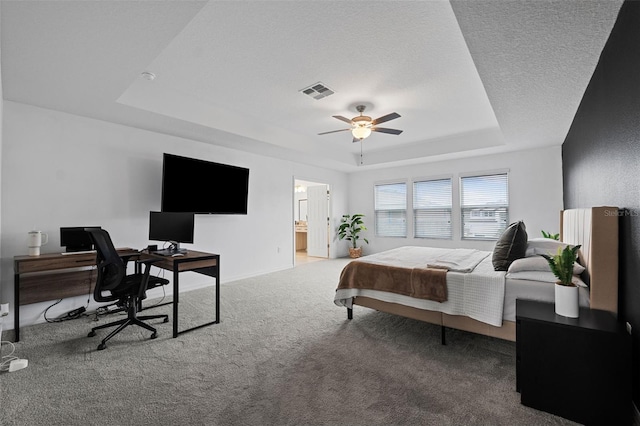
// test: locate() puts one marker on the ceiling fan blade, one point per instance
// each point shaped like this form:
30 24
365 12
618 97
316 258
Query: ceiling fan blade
333 131
341 118
385 118
385 130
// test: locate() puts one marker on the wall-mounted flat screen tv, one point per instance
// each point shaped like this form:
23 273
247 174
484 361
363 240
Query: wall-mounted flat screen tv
197 186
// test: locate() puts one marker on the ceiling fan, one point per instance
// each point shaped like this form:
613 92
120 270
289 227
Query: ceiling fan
363 125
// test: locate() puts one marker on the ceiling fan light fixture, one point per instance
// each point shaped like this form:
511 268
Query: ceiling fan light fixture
361 132
363 125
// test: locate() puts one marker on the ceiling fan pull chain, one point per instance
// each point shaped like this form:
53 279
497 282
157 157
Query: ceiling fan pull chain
361 152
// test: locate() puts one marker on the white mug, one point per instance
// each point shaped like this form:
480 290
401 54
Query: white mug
35 241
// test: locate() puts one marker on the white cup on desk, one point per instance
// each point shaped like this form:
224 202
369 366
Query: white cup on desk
36 239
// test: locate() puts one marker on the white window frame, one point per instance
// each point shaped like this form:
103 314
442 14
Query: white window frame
484 211
401 214
447 232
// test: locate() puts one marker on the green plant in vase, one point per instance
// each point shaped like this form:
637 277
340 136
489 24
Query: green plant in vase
561 264
566 292
349 229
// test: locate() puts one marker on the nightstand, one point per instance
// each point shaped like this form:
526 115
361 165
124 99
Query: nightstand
577 368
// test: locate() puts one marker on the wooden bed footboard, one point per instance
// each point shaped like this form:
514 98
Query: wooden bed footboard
506 332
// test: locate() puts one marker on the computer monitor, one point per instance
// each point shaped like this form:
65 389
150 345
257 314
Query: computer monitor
75 238
172 227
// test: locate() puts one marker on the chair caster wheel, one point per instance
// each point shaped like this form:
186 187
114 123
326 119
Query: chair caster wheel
102 346
154 335
166 320
91 333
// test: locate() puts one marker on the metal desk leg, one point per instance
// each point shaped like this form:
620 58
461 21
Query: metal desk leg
176 291
218 292
16 307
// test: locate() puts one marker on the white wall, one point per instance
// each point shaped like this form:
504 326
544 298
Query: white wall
59 169
535 192
1 133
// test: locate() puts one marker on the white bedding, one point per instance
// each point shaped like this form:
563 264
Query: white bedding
459 260
534 290
478 294
483 294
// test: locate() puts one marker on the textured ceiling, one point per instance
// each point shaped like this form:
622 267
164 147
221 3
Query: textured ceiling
467 77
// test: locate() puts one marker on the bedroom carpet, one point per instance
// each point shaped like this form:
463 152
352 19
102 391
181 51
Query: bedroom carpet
283 354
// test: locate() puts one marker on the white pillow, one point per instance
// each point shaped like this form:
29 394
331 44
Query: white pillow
543 246
542 276
538 263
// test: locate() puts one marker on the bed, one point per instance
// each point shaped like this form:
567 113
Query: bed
420 283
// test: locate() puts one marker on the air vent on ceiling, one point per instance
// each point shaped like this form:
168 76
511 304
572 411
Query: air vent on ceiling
317 91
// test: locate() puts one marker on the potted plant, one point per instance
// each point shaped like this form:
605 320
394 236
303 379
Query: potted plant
550 235
566 292
349 229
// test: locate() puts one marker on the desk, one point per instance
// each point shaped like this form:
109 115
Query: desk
193 261
58 276
53 276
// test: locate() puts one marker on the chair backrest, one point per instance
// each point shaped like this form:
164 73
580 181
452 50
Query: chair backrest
111 268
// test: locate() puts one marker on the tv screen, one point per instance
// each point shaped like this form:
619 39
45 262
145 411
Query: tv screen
190 185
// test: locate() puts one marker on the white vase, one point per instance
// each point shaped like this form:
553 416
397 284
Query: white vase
567 301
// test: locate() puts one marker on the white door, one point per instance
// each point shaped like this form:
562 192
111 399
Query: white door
318 221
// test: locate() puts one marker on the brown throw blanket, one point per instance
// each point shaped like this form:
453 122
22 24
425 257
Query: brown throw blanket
422 283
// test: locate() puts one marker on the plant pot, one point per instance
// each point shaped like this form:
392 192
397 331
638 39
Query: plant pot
567 301
355 252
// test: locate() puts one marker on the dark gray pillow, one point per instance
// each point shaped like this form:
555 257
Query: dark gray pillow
511 245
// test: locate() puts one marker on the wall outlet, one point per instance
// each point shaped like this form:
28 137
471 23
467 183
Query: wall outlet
277 249
4 309
628 328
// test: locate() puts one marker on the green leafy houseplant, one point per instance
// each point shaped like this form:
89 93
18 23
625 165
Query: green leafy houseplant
561 264
350 228
552 236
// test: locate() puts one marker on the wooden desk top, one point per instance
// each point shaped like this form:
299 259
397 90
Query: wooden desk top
53 261
191 260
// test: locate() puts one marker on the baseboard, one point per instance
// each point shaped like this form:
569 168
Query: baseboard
636 415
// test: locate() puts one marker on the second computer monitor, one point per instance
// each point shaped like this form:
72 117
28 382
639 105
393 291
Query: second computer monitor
174 228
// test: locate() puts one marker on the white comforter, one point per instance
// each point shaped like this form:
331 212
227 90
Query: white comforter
478 294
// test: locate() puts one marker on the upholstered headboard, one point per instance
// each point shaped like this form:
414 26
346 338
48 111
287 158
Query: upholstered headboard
596 230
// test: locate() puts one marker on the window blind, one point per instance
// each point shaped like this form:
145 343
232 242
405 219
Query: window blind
390 204
432 209
484 202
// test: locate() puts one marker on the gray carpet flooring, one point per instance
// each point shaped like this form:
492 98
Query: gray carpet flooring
283 354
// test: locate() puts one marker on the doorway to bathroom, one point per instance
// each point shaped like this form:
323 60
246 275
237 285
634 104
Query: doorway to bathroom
311 221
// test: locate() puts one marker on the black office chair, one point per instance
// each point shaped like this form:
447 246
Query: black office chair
113 284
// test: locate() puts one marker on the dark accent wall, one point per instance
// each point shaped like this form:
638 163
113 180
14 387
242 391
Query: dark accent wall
601 157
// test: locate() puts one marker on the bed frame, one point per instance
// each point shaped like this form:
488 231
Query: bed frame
595 229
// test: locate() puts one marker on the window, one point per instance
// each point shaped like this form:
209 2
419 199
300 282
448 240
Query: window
484 206
391 210
432 209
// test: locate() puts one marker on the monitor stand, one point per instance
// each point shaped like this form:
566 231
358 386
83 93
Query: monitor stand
174 248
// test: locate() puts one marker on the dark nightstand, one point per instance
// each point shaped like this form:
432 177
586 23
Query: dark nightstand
577 368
